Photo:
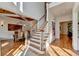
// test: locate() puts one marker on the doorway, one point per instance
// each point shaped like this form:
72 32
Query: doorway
66 34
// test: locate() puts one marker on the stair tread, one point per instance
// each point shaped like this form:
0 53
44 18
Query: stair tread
35 40
38 33
35 37
38 45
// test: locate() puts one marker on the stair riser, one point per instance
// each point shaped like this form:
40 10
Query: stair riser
34 44
37 47
37 35
38 42
39 38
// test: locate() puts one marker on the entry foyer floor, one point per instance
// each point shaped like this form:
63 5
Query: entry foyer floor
60 47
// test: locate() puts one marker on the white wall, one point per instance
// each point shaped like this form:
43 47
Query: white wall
57 28
40 23
34 9
66 18
4 33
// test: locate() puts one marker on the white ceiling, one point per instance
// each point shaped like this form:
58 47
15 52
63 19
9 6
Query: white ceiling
62 9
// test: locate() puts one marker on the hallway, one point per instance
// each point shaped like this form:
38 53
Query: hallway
62 47
63 42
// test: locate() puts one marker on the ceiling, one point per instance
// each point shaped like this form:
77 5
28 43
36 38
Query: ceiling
12 14
62 9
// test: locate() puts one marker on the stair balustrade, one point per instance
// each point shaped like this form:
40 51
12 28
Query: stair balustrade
43 40
34 28
42 35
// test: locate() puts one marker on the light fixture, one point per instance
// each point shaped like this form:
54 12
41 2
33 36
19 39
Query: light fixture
24 25
1 23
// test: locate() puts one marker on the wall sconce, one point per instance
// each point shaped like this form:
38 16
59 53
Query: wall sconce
24 25
1 23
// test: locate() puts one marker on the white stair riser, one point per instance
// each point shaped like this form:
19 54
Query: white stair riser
35 40
36 37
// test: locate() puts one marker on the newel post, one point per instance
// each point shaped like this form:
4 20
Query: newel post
42 40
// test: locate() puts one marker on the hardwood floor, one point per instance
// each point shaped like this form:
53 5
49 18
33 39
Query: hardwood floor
63 42
11 48
62 47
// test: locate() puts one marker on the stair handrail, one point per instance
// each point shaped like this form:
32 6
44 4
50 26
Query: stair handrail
42 17
42 40
44 25
34 26
39 20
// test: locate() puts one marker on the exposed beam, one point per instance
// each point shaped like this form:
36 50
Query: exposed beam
3 11
20 18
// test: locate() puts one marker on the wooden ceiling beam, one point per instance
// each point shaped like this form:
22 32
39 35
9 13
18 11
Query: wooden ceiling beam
18 17
6 11
3 11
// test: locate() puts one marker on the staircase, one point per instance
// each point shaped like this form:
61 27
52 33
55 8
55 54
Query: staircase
37 45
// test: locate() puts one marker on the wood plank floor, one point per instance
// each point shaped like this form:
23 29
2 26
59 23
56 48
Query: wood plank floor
62 47
63 42
11 48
